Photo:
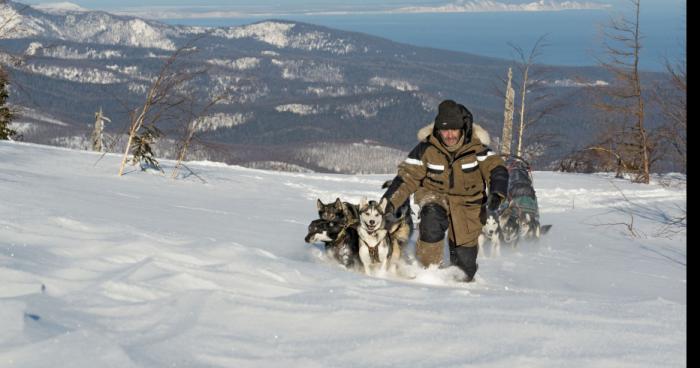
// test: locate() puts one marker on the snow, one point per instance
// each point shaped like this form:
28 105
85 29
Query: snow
244 63
24 112
366 108
299 109
86 27
222 120
65 52
73 74
147 271
573 83
399 85
309 71
281 35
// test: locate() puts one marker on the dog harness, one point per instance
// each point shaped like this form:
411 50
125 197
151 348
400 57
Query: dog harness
374 254
521 192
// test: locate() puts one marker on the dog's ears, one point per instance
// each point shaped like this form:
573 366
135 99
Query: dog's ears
338 204
319 204
382 204
363 204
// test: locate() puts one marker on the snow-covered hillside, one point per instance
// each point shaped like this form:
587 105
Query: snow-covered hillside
147 271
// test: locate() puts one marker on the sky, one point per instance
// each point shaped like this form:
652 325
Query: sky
147 271
276 6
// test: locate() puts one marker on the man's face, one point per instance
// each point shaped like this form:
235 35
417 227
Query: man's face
450 136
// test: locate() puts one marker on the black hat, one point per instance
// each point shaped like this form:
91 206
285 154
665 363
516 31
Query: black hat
452 115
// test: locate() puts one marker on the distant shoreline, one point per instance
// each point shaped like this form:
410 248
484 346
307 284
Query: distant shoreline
573 35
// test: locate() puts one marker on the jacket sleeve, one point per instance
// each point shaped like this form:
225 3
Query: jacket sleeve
412 171
493 169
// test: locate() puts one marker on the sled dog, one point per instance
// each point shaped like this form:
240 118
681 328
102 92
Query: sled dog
375 247
399 224
341 242
338 211
491 233
517 224
521 218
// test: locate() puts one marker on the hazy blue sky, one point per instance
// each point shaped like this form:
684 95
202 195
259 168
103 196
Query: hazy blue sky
573 33
304 5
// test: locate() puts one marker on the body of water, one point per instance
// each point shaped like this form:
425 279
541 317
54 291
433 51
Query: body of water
574 37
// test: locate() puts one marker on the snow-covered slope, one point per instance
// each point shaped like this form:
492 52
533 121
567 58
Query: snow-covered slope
146 271
20 21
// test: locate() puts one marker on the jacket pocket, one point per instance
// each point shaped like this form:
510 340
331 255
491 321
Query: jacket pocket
436 175
471 179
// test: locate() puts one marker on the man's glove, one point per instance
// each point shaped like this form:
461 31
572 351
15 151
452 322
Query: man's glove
494 201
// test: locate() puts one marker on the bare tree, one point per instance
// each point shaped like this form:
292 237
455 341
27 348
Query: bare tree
97 137
507 136
673 100
623 101
536 101
190 132
165 94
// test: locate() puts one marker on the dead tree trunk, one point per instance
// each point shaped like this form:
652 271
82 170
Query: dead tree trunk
98 131
507 136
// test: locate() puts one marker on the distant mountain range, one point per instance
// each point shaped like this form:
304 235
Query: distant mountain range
301 96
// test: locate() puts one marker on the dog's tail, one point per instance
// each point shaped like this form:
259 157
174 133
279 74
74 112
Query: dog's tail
545 229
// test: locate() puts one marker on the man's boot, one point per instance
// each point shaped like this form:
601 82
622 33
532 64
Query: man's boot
429 253
465 258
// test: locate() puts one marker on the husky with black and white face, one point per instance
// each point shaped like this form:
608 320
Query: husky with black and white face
491 232
375 245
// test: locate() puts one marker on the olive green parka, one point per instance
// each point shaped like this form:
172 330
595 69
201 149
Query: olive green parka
458 181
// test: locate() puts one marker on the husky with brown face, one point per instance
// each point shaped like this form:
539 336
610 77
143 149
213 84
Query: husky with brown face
341 212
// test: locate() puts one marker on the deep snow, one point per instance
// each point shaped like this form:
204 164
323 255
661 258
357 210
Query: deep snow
147 271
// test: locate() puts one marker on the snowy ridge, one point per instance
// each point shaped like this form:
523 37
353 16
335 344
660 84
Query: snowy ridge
222 120
236 89
96 27
300 109
366 108
74 74
29 113
277 166
309 71
244 63
337 91
16 25
399 85
147 271
281 35
576 84
65 52
354 157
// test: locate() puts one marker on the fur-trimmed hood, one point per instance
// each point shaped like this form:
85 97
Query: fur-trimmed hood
477 131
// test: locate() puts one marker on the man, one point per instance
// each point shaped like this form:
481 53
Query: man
450 171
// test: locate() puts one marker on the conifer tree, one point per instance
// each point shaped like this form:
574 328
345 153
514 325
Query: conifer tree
6 114
141 150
